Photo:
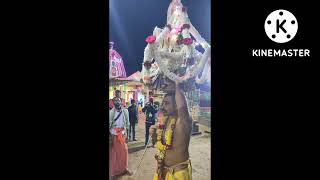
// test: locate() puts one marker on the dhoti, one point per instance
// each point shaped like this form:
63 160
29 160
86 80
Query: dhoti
118 157
181 171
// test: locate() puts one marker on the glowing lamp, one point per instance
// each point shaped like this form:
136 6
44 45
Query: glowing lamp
174 38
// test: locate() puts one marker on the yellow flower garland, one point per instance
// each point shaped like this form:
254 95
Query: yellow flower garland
168 136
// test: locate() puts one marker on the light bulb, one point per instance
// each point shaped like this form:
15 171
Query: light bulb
174 38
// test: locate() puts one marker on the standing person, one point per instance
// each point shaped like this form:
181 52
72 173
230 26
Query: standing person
118 153
150 110
173 137
133 118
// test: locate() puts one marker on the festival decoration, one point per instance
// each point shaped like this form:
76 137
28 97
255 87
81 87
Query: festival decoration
150 39
171 55
116 66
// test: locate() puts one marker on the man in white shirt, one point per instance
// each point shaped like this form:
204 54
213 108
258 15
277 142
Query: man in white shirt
118 152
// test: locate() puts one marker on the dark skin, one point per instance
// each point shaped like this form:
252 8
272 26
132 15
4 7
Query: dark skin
117 103
177 107
118 94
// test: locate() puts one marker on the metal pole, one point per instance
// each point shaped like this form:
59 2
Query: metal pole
145 149
147 95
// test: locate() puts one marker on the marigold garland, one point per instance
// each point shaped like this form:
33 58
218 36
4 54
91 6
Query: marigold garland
165 144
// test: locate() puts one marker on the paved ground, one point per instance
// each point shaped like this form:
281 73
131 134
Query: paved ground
200 155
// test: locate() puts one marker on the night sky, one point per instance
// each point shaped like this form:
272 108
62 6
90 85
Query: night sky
131 21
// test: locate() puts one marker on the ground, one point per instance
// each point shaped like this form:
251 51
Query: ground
199 148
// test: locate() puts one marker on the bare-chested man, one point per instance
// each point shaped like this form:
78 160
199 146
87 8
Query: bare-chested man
173 155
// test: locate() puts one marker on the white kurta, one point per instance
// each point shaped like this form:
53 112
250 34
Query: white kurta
120 123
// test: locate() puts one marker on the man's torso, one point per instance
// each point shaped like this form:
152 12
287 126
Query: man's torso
179 152
150 113
132 113
119 123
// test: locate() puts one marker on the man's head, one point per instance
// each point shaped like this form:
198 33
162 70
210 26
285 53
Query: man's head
133 101
118 93
151 100
168 106
117 103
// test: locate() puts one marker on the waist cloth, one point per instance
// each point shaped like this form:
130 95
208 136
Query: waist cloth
118 155
180 171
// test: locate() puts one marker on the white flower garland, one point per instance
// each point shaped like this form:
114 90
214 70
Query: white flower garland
164 68
192 72
159 56
166 60
198 37
173 56
202 79
162 35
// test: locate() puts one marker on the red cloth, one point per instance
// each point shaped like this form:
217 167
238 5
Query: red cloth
120 135
118 157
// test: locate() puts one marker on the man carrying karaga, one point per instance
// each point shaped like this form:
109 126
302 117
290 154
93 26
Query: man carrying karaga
173 136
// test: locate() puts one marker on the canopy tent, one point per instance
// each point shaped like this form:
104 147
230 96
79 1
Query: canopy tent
135 76
133 79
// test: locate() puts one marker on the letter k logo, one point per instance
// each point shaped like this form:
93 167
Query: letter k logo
280 26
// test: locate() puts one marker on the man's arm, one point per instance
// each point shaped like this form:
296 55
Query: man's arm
144 109
182 107
137 113
111 116
154 109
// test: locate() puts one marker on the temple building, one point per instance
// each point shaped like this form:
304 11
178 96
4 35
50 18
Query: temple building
130 87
